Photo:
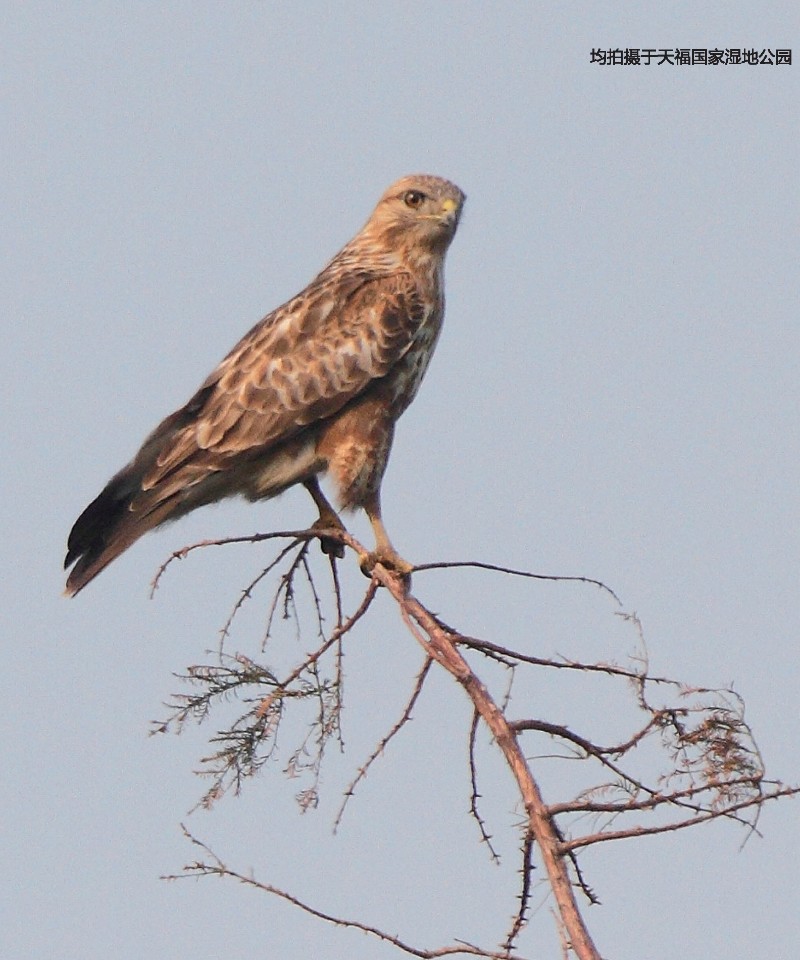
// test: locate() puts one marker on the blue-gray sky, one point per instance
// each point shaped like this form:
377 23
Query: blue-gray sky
615 395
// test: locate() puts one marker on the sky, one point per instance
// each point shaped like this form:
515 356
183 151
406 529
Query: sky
614 396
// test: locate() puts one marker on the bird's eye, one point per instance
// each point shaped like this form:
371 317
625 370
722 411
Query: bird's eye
413 198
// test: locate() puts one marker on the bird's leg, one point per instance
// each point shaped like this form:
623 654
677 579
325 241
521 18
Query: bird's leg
384 552
328 519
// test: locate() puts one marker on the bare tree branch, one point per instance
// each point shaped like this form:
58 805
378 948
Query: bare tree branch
480 565
214 867
442 646
702 761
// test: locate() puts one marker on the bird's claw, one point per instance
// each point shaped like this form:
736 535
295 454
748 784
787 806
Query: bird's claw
328 545
390 559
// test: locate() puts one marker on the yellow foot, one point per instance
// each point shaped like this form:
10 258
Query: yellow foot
333 548
387 557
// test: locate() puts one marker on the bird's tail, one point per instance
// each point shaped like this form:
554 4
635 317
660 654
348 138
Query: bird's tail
108 526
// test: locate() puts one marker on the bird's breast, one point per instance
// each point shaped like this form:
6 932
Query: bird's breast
409 372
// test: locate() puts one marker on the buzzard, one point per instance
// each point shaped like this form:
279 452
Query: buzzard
315 387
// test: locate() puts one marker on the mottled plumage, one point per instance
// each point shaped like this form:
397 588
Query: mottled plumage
315 387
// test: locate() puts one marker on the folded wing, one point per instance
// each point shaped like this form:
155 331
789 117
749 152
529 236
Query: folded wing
300 365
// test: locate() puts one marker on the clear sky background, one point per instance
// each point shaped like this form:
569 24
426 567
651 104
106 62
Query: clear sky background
615 395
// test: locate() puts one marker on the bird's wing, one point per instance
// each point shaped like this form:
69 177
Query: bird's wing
301 364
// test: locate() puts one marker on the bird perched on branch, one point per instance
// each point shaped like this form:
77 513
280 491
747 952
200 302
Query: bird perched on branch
315 387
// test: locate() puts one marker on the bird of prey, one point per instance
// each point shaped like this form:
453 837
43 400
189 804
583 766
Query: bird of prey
314 388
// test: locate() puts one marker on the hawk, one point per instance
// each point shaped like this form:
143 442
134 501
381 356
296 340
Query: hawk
314 388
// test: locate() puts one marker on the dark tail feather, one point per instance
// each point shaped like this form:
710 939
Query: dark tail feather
104 530
112 522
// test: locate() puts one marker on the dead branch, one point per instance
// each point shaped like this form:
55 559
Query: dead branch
709 765
443 647
474 795
495 568
214 867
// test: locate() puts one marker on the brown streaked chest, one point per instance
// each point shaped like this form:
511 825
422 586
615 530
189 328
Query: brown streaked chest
409 372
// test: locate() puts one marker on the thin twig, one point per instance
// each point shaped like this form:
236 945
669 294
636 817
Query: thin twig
247 593
378 751
495 568
217 868
757 801
335 636
526 872
474 795
486 646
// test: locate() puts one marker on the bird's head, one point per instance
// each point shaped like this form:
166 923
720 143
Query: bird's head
418 212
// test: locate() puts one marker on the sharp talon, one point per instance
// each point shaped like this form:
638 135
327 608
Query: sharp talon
329 546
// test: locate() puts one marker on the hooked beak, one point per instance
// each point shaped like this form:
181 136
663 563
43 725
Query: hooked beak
449 212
